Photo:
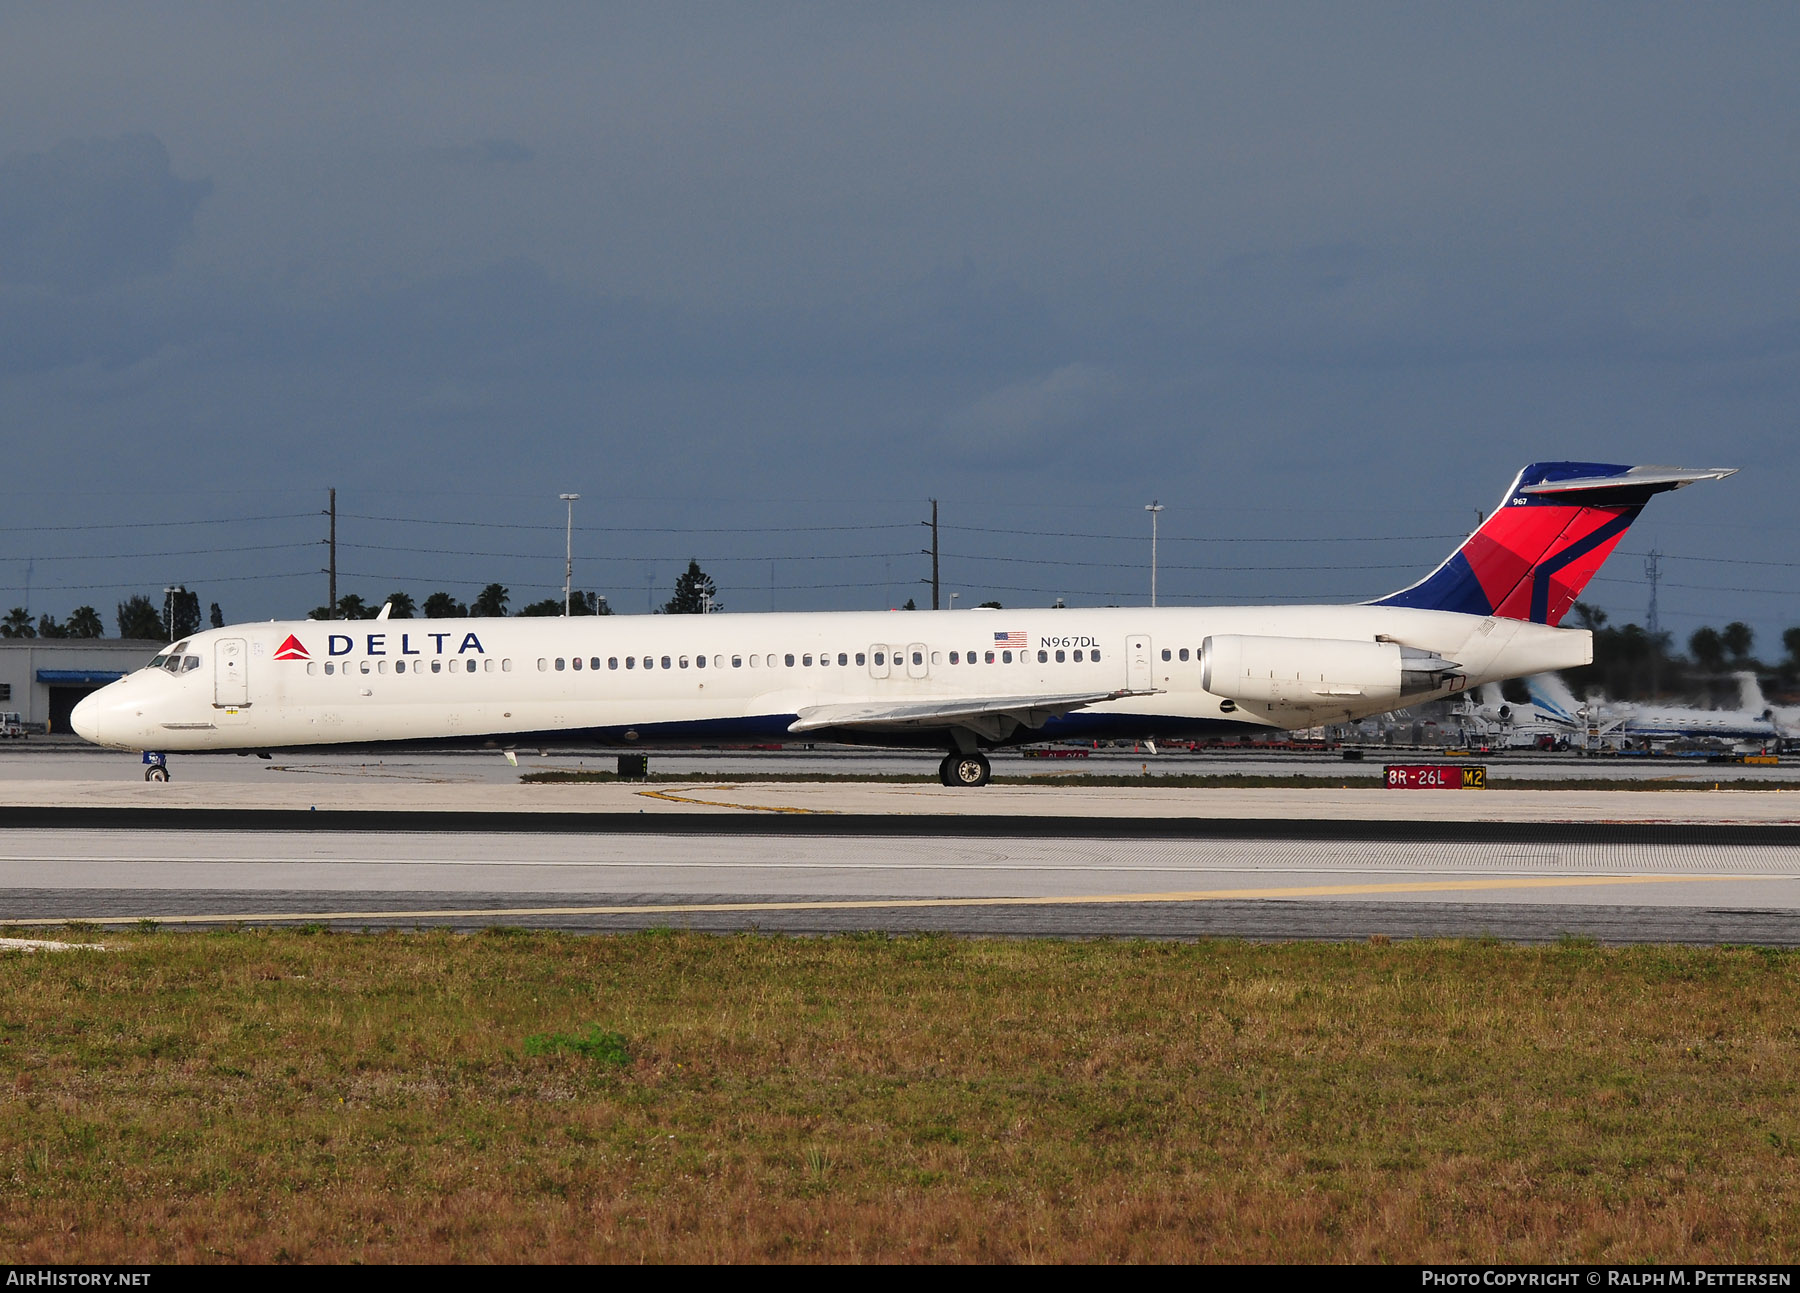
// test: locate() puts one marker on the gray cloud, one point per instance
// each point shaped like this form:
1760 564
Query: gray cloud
93 211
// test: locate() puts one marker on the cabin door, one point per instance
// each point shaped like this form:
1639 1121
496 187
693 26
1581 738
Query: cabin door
1137 662
231 679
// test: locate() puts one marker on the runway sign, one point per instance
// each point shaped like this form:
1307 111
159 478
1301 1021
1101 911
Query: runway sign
1436 776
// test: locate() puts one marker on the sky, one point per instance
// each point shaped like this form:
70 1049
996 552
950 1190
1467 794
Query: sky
760 281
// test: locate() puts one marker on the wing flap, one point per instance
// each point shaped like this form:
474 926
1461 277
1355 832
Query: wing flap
976 712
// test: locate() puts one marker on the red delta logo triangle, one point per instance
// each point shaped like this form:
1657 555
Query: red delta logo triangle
292 649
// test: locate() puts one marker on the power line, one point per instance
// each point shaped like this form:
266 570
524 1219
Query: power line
185 552
153 525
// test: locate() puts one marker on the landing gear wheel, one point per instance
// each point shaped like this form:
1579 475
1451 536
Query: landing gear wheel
947 771
969 769
156 772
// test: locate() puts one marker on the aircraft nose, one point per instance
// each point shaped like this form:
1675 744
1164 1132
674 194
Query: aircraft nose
85 718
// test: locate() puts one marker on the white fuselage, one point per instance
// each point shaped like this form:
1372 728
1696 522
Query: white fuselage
746 676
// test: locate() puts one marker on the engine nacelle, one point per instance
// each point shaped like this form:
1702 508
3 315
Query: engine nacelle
1318 672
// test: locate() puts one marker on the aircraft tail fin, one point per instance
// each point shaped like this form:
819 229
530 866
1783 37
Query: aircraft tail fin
1750 693
1552 695
1557 523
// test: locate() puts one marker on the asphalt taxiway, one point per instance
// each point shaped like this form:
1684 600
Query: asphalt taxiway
418 844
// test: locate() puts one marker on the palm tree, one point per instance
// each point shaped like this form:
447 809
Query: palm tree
401 606
84 622
17 624
491 603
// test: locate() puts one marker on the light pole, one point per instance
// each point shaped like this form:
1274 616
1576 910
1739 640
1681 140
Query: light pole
568 549
1153 507
169 591
953 597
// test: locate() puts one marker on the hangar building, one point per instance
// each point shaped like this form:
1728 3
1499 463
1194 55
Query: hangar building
42 678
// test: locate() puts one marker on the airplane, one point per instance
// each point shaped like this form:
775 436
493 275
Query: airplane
1752 726
961 681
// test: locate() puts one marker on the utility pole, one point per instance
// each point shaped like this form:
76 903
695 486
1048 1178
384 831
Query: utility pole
1154 508
933 550
331 570
1653 572
568 549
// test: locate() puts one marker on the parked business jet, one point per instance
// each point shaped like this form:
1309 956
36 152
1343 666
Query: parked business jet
960 681
1752 726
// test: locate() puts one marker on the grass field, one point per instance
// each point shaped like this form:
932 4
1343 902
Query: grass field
279 1095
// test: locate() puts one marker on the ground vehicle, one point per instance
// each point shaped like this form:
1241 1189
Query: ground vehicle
12 726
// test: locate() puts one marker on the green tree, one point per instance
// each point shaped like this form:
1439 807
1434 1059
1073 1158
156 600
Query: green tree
1790 638
185 607
216 617
352 607
403 607
1737 638
695 593
910 605
491 602
442 606
138 618
549 606
84 622
1592 617
1707 648
47 627
17 624
991 606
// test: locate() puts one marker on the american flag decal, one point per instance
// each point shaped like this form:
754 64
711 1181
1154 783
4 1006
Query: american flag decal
1016 638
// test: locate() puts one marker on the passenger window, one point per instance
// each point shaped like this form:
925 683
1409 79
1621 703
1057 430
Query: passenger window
665 662
1077 655
937 657
575 663
559 664
756 662
718 662
594 662
1182 653
843 659
880 659
770 660
1043 657
954 658
1059 657
381 666
631 662
684 662
918 657
437 666
649 662
789 660
1006 657
363 665
737 662
1165 653
543 665
699 662
805 660
1094 655
399 666
311 667
612 662
505 665
487 666
989 657
860 660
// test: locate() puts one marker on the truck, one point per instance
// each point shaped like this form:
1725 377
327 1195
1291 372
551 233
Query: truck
12 726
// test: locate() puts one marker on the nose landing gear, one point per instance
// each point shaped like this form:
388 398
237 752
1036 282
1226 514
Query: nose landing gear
156 766
970 769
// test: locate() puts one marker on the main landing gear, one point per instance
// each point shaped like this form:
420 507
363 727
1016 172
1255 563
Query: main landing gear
970 769
156 766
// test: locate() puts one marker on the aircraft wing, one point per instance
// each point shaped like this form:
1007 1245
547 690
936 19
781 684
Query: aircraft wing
993 717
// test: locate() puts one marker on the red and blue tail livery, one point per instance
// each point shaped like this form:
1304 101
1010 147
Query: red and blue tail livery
1557 524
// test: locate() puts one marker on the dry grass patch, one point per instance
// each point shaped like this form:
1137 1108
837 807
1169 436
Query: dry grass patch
272 1095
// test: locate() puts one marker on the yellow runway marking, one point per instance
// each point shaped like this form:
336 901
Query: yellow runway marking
913 904
674 798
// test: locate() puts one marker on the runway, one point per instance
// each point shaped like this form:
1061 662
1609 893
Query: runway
460 841
1619 884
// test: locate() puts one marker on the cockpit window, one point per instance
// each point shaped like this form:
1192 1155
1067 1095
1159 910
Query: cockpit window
157 663
189 663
